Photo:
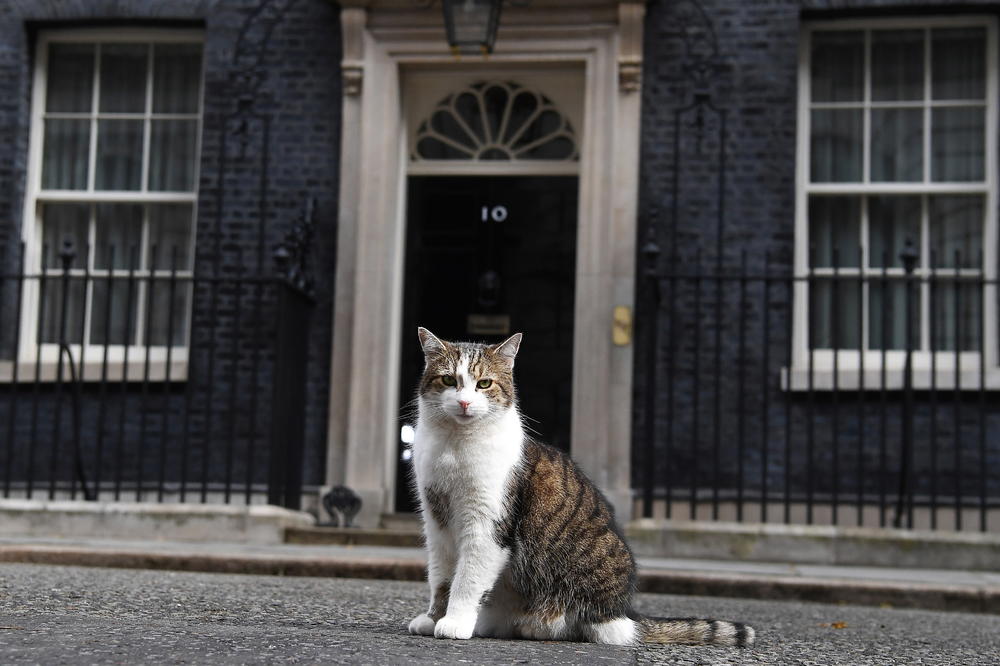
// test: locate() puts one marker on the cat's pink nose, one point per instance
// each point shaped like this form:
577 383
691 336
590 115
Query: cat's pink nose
464 404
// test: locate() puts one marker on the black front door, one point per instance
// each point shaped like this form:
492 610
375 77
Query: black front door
486 257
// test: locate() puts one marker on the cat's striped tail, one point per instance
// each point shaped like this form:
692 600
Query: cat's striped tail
694 631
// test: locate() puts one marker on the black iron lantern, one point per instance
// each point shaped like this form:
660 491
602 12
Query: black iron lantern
471 25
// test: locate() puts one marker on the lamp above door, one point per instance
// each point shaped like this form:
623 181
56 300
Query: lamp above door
471 25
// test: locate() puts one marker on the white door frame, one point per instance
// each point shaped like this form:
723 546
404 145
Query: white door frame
378 44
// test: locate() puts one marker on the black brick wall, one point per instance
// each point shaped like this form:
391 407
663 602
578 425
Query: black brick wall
270 141
749 57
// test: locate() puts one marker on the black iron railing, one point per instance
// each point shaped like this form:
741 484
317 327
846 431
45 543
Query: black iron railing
837 396
158 384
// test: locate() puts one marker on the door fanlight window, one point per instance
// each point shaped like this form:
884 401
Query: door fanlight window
496 121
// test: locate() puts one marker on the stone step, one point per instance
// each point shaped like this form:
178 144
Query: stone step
400 521
353 536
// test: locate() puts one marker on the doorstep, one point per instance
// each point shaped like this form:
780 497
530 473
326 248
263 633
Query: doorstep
257 523
814 544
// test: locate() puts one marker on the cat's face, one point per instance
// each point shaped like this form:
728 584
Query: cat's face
465 382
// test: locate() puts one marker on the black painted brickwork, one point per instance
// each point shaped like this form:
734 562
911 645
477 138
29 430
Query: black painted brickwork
753 80
270 140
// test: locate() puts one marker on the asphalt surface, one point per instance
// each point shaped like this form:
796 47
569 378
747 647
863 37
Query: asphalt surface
56 614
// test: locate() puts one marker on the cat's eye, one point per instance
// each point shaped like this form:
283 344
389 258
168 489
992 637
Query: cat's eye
449 380
484 383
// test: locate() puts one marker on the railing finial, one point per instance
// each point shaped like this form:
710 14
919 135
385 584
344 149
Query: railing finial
67 254
909 256
650 249
291 257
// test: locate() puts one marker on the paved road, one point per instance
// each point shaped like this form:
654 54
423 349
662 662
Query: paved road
51 614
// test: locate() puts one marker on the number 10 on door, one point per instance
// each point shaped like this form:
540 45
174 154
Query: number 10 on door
494 213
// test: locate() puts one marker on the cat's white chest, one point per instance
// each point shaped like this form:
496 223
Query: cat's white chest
471 469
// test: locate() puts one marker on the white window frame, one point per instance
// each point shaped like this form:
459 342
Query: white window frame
826 369
28 352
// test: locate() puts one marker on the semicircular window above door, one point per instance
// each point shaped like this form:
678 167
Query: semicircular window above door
495 121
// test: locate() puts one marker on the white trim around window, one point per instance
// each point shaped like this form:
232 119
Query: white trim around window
113 165
882 145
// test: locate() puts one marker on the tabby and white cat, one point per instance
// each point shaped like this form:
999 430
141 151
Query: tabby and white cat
520 543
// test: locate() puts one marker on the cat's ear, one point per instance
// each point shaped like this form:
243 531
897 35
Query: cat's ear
428 341
507 349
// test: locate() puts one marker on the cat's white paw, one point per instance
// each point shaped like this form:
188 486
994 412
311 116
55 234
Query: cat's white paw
452 627
422 625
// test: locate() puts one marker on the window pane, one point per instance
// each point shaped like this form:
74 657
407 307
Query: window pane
897 65
176 78
114 311
170 228
897 150
62 319
956 227
468 109
172 155
61 223
522 108
118 237
123 77
558 148
956 308
892 220
838 62
833 314
958 63
834 224
119 155
545 125
431 148
70 78
836 146
957 139
169 323
887 314
65 155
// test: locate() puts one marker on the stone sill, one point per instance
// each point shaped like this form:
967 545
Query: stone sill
848 379
47 372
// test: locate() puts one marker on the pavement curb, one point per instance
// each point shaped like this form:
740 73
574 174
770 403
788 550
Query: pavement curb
378 568
966 598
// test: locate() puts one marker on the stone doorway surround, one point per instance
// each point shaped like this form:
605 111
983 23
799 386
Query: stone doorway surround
381 38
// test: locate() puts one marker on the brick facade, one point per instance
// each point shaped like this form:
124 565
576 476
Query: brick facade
749 54
270 141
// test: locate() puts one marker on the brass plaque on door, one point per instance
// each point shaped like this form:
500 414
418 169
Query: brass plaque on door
488 324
